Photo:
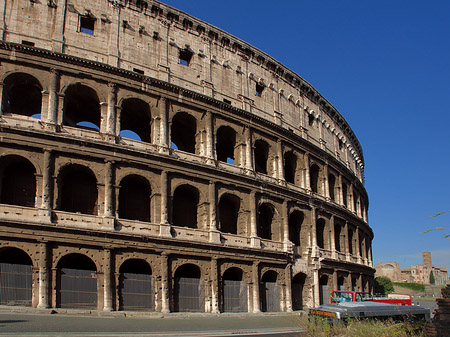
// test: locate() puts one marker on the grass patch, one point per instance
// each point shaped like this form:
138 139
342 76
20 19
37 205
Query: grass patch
412 286
319 327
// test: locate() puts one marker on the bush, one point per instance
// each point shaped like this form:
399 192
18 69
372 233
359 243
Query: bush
383 285
412 286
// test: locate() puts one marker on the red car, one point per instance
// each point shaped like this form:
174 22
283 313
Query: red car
338 296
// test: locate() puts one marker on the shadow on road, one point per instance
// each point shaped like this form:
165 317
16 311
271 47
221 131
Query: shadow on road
9 321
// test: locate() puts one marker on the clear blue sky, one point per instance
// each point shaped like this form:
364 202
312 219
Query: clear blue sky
385 65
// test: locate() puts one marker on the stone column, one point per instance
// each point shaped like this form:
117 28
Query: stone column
164 228
332 239
54 288
288 280
307 179
326 184
107 275
43 275
280 171
165 300
248 149
60 113
47 188
214 286
209 153
313 229
254 239
341 191
214 234
285 224
315 288
255 280
346 242
358 244
163 125
109 213
111 113
53 99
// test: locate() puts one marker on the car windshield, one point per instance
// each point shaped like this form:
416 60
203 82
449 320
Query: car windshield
361 297
342 297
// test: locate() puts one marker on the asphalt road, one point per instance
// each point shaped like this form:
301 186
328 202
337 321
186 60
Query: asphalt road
18 324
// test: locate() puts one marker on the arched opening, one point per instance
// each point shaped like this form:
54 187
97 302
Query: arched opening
270 292
18 179
295 225
290 166
332 186
314 178
22 95
264 221
189 292
183 131
320 233
261 153
81 107
337 237
16 277
185 203
324 292
226 142
134 198
78 190
76 282
234 291
136 286
228 213
135 117
298 284
341 283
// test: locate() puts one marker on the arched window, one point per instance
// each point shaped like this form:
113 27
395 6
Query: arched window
270 292
234 291
189 292
261 154
183 131
295 225
314 178
290 166
226 142
136 286
228 213
18 179
81 107
320 230
185 203
265 218
78 190
77 282
135 117
22 95
134 198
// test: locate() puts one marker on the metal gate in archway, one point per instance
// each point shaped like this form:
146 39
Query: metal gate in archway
16 283
189 294
78 288
136 292
235 296
270 297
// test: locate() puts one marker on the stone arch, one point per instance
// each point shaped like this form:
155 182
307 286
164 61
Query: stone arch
261 156
18 181
234 291
81 107
226 150
295 221
189 289
229 206
322 235
270 292
184 206
16 281
76 284
134 198
77 186
265 220
183 132
135 117
136 289
22 95
298 291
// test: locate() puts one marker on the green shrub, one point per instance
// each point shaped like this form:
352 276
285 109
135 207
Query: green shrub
412 286
383 285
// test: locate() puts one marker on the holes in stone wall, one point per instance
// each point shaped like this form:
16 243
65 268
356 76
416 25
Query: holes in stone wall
226 143
290 167
264 221
261 153
228 213
135 118
183 132
81 107
185 203
134 198
22 95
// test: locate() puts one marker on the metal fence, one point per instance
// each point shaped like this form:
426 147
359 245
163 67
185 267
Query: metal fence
78 288
136 292
270 296
16 283
189 294
235 296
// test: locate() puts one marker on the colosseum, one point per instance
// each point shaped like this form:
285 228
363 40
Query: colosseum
152 161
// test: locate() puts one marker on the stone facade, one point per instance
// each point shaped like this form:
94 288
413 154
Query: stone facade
159 163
